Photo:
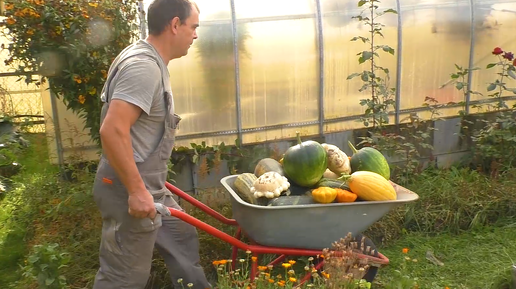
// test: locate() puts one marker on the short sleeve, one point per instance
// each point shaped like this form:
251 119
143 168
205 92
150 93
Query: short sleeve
137 82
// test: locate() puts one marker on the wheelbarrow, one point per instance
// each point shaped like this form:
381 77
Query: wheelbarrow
293 230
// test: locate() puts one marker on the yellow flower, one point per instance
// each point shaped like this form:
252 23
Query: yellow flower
281 283
292 262
82 99
94 5
326 275
104 73
286 265
39 2
292 279
30 32
92 90
77 79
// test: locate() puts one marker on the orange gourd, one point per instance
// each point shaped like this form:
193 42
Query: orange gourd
344 196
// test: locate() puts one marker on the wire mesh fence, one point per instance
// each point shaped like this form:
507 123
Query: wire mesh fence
22 102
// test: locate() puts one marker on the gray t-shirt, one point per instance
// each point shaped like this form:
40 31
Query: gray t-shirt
139 81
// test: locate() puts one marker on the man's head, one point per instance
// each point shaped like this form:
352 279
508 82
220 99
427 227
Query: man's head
175 22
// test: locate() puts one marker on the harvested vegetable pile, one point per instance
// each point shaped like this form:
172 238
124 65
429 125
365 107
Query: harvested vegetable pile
314 173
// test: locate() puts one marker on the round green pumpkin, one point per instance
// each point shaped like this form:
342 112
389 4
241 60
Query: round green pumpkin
369 159
305 163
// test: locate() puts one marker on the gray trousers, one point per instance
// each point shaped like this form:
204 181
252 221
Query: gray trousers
127 243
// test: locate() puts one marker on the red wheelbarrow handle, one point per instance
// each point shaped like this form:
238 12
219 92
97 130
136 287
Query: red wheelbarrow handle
256 249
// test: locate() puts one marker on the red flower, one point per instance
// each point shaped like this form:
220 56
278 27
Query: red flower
514 62
497 51
508 55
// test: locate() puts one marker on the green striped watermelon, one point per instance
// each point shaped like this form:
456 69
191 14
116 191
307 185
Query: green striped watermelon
369 159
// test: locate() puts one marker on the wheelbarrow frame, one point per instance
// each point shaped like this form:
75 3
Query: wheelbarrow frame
256 249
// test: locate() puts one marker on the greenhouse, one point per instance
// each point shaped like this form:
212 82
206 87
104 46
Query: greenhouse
261 71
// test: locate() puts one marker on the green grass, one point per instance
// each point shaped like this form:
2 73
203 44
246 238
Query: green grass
480 259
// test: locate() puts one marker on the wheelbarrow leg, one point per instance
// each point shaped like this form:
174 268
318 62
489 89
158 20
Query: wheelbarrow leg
278 259
254 267
234 254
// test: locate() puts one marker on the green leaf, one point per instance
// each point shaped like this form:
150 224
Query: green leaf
366 55
195 158
459 85
49 281
391 11
511 74
491 87
491 65
351 76
365 76
454 76
361 3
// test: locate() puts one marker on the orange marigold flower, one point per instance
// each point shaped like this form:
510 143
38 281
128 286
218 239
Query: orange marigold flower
10 21
39 2
281 283
292 279
262 268
82 99
77 79
405 250
254 258
292 262
271 281
9 6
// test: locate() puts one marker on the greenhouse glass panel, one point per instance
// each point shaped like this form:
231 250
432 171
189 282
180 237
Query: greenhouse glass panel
436 36
203 82
495 26
342 96
278 58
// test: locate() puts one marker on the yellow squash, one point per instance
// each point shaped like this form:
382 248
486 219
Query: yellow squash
324 195
370 186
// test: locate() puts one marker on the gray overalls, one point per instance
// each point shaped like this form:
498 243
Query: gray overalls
127 242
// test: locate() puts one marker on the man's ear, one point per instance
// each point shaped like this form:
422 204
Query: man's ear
174 24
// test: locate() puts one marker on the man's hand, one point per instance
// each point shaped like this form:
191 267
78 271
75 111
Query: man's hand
141 205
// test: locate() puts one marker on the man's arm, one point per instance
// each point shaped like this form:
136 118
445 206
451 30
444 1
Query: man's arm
115 134
132 96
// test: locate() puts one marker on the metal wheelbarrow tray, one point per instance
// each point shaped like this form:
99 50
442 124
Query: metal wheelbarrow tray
312 226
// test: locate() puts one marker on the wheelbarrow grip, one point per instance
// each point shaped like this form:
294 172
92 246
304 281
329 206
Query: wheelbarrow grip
162 209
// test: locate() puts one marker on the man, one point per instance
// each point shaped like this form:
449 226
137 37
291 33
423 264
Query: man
137 132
